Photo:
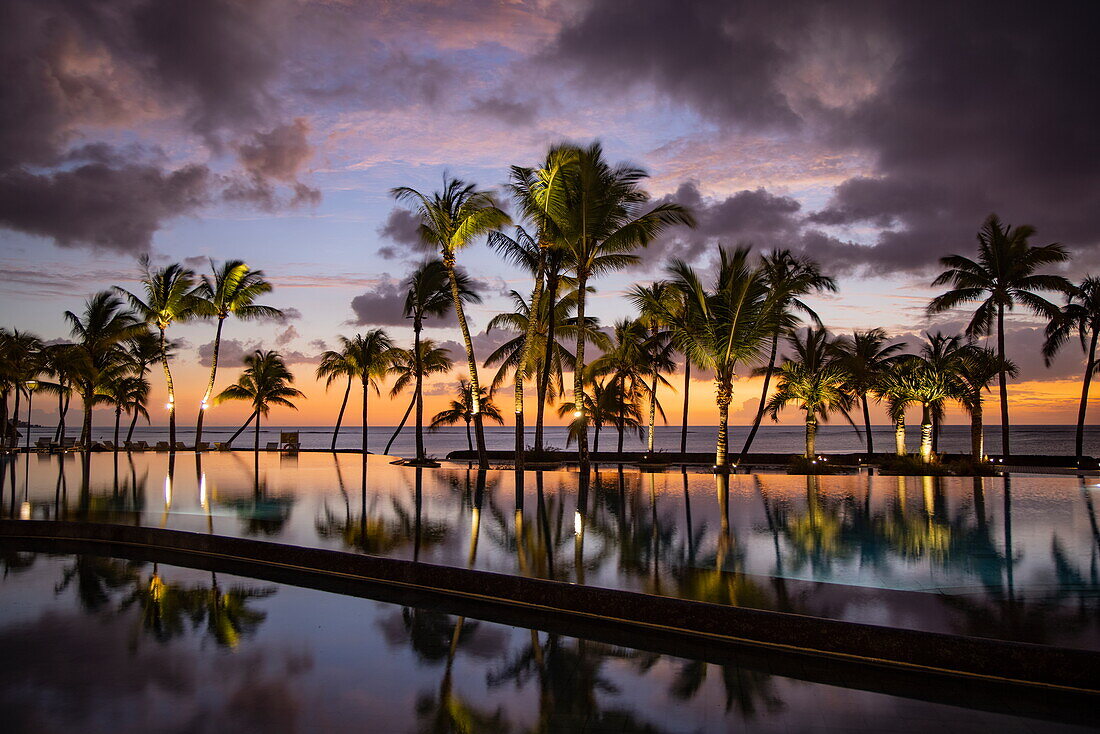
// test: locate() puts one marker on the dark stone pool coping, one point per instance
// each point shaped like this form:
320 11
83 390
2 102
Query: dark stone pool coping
691 628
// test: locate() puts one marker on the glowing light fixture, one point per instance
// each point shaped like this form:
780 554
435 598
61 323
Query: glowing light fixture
25 511
578 522
577 414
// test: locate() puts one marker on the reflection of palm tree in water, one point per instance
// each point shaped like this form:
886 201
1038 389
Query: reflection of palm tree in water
747 691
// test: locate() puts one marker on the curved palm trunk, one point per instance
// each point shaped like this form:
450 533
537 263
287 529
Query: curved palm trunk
118 422
366 391
257 439
899 435
210 383
548 360
15 419
926 433
867 425
763 398
723 399
684 427
241 429
171 393
977 435
404 418
418 390
652 412
60 410
471 362
1002 378
130 430
622 428
525 354
469 438
1090 367
578 375
86 431
340 415
4 424
811 437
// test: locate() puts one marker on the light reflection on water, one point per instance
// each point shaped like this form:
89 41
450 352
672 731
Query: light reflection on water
1017 558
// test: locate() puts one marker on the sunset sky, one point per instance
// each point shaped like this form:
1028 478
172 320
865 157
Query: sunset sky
873 136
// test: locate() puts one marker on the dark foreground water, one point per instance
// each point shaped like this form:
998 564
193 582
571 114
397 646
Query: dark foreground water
94 644
840 438
1015 558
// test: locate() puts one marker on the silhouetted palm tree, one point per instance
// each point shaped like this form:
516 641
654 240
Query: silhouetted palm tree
1004 275
265 382
864 356
463 408
411 369
1082 315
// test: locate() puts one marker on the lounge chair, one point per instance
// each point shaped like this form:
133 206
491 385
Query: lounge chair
44 444
162 446
202 446
222 446
107 445
68 443
180 446
138 445
272 446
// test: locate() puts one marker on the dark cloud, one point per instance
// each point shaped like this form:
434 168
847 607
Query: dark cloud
289 313
231 353
382 305
402 227
512 111
286 336
388 253
275 156
964 108
319 344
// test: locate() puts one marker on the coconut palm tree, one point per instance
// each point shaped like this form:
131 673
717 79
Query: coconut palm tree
266 381
450 220
230 290
62 363
1004 275
813 382
653 302
332 367
605 218
170 296
429 295
369 355
100 332
894 386
410 369
129 394
462 409
791 278
726 325
976 368
22 363
865 356
1082 315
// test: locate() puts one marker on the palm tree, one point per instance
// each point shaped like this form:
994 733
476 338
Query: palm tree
62 363
1004 275
463 408
129 394
894 386
975 369
429 294
100 332
864 357
170 296
653 302
143 349
411 369
450 220
231 290
725 326
22 363
813 382
790 278
1082 315
927 379
266 381
369 356
604 220
332 367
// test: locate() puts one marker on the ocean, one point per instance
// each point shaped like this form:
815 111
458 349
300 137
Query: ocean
1054 440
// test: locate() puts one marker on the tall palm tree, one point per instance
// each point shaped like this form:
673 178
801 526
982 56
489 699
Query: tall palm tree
1082 315
265 381
127 393
653 302
791 278
143 349
605 219
727 325
927 379
100 332
411 369
462 409
450 220
429 295
332 367
976 368
1005 274
369 356
894 386
170 296
230 290
813 382
62 363
22 363
865 356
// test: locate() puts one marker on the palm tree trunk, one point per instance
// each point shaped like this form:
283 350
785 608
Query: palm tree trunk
340 415
1002 380
257 440
596 440
926 433
578 374
86 432
723 398
118 421
133 422
622 427
4 417
525 353
418 391
899 435
548 359
1090 367
977 437
469 440
171 393
241 429
867 425
15 419
60 409
811 438
684 427
763 397
210 384
366 390
471 362
408 411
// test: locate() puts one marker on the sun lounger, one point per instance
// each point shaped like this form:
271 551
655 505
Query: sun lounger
222 446
108 445
202 446
162 446
68 443
44 444
272 446
137 446
180 446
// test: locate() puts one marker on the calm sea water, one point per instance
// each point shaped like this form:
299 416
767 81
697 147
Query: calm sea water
1053 440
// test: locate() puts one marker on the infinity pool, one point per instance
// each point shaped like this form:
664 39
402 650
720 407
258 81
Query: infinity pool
1014 558
95 644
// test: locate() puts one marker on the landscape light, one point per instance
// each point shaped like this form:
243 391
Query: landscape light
25 511
578 522
577 414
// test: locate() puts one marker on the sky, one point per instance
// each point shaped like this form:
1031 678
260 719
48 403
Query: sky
874 137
